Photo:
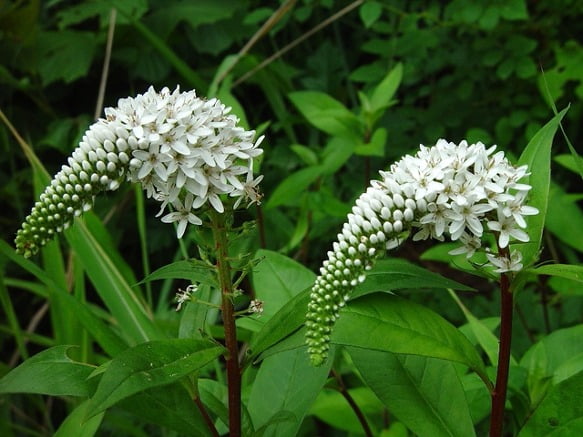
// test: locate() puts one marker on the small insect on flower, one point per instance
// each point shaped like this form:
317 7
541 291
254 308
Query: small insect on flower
184 296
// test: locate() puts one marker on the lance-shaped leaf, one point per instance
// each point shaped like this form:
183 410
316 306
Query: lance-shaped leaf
390 323
148 365
50 372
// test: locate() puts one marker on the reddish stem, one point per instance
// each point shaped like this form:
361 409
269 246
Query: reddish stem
232 356
499 393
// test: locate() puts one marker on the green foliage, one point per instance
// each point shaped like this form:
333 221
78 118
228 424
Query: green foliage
91 321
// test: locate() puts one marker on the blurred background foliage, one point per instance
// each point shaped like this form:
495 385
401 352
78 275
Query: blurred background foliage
482 70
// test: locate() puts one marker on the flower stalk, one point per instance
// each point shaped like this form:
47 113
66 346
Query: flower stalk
498 396
220 234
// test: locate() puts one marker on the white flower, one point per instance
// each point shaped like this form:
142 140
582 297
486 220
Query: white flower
515 208
506 227
185 295
182 214
256 306
503 264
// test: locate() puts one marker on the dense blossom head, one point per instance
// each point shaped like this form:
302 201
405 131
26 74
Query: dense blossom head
461 191
185 151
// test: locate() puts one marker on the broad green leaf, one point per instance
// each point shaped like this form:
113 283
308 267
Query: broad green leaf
537 155
483 335
396 274
569 368
50 372
184 269
288 191
76 424
568 271
337 152
424 393
384 91
306 154
277 279
326 113
285 382
370 12
560 413
170 406
111 286
66 54
331 408
284 323
148 365
194 315
564 216
388 323
544 358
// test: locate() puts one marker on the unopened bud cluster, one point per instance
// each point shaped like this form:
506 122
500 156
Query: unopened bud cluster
185 152
458 190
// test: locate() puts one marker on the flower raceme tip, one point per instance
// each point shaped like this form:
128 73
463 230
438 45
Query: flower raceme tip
458 190
185 151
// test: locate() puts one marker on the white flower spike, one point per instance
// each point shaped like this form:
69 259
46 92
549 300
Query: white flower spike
456 190
185 151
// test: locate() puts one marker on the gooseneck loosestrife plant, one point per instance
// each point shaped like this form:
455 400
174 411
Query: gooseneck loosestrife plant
190 155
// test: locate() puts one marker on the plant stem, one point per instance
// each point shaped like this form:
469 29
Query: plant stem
219 228
359 414
499 393
206 417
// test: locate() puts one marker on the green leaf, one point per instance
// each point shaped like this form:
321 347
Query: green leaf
397 274
284 323
384 92
560 413
306 154
111 286
546 357
392 324
568 271
288 191
326 113
148 365
537 156
66 55
424 393
482 333
184 269
376 145
285 382
337 152
277 279
564 216
370 12
331 408
170 406
75 424
50 372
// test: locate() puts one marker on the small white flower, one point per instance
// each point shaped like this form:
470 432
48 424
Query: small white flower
182 214
184 295
503 264
506 227
256 306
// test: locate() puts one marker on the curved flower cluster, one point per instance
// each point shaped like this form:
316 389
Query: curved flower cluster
185 152
458 190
